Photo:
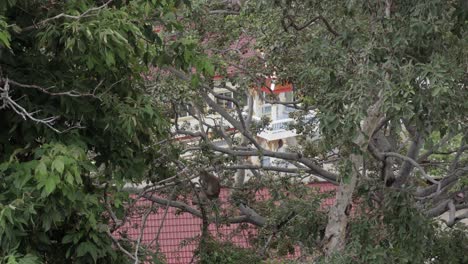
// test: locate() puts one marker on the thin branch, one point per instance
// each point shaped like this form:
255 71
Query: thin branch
252 217
266 168
9 102
460 151
117 243
163 220
223 12
117 222
441 142
320 17
444 182
71 93
82 15
140 235
414 163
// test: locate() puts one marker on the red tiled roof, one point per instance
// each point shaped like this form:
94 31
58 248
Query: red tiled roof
279 87
177 239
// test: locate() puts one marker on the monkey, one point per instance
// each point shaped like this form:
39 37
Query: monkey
210 185
234 5
382 143
280 144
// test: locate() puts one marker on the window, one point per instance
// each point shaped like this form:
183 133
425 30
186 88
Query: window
266 109
225 103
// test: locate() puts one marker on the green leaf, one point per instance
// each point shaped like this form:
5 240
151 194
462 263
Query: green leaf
5 38
195 81
87 247
51 183
41 169
29 259
68 238
209 68
58 165
69 178
4 166
6 212
110 60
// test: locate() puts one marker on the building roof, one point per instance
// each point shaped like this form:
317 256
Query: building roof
178 231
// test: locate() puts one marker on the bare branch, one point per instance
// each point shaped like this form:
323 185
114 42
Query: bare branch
265 168
292 24
460 151
163 220
142 229
71 93
10 103
223 12
443 183
251 217
441 142
414 163
87 13
122 249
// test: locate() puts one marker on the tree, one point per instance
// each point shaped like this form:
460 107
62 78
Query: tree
86 115
77 124
387 81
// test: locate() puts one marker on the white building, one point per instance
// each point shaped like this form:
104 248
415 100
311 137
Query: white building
278 135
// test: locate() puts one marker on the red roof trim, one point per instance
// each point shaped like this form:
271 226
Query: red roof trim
279 88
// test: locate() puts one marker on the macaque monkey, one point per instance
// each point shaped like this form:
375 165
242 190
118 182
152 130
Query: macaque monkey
234 4
210 185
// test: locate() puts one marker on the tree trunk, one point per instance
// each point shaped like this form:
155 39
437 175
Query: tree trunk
335 232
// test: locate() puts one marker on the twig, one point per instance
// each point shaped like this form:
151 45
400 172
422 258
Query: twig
224 12
415 164
163 220
320 17
82 15
116 242
71 93
9 102
142 229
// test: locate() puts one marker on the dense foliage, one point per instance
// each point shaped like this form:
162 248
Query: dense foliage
76 124
88 90
387 83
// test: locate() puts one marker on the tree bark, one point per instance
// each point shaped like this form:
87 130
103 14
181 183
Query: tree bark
338 216
335 232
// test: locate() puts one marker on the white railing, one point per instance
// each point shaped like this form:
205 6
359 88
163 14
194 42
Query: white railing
282 124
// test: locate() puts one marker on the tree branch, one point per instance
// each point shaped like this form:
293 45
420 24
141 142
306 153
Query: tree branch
71 93
18 109
252 217
223 12
82 15
292 23
413 163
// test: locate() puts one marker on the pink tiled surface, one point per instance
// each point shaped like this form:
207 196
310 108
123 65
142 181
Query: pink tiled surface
177 238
